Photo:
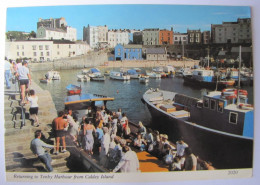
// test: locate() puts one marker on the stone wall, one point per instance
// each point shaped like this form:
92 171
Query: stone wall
95 59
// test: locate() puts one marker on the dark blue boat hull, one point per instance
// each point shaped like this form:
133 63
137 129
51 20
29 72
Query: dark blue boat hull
224 151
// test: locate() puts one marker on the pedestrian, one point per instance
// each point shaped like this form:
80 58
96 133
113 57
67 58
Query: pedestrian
8 70
181 145
60 124
190 160
89 129
105 142
24 79
38 148
129 162
33 99
73 126
142 129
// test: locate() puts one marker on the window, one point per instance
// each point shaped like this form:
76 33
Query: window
17 47
220 106
22 53
233 117
58 46
47 53
40 47
212 104
22 46
17 53
41 53
206 102
47 47
34 47
58 53
34 54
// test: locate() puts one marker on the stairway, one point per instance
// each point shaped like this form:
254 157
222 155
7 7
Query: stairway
19 132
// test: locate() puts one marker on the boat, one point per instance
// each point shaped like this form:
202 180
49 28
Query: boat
118 76
73 89
217 127
133 74
83 78
98 78
92 72
144 79
153 75
79 103
137 69
169 70
45 80
183 71
53 75
160 70
106 73
206 78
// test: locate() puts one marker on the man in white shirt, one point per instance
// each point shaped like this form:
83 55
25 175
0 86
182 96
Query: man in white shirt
129 162
181 145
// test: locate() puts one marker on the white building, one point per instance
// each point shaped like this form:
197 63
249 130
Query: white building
180 38
96 36
118 37
44 50
47 33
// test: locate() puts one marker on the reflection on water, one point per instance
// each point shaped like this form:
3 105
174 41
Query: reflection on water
127 94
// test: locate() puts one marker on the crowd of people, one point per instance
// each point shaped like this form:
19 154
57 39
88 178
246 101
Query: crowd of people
106 136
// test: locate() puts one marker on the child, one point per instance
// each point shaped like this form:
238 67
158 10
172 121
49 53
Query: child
33 99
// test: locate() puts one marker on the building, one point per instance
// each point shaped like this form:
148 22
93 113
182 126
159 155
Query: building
180 38
116 37
156 54
90 35
128 52
48 33
206 37
232 32
194 36
151 36
96 36
137 37
165 37
45 50
52 23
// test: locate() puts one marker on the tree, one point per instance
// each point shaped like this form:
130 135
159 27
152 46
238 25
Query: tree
32 34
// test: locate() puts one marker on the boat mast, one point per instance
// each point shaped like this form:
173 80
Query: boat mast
208 57
239 67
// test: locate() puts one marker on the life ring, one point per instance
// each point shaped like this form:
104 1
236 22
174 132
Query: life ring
246 106
229 91
242 92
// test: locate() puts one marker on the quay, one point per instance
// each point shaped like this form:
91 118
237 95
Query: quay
18 156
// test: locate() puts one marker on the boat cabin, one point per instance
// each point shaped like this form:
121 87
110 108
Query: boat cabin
220 110
203 75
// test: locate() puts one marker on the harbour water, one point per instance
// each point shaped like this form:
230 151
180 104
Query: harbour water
127 94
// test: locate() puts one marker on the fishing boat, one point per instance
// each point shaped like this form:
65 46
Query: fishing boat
207 79
73 89
79 103
53 75
217 127
118 76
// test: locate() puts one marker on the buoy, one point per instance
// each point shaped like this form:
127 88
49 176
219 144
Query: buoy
117 91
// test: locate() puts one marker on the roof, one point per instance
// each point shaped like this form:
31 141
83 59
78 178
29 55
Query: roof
155 51
243 49
63 42
133 46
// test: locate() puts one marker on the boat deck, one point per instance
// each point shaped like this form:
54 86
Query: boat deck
149 163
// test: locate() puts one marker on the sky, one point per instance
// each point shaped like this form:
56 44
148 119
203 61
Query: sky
180 17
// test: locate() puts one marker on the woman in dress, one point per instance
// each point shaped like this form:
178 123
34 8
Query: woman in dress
89 139
33 99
